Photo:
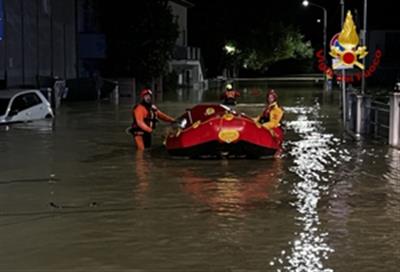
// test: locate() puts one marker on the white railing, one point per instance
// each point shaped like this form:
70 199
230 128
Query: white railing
394 120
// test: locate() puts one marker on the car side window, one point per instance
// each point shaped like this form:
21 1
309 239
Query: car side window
32 99
25 101
4 105
18 104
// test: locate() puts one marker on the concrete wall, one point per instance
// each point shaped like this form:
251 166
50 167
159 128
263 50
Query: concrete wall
39 39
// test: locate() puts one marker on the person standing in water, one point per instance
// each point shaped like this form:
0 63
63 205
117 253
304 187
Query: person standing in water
145 115
230 95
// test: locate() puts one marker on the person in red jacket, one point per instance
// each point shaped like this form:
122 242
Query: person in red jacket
145 115
230 95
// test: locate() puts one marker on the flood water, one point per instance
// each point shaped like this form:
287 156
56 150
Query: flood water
75 196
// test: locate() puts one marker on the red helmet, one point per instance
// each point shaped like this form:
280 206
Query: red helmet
273 93
144 92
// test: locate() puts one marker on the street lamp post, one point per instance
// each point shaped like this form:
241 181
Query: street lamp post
308 3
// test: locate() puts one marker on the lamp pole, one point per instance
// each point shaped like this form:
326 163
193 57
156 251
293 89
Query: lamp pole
307 3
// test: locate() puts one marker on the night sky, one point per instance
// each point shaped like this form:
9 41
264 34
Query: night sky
212 22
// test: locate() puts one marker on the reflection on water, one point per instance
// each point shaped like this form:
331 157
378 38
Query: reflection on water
41 126
313 154
392 176
232 191
142 171
231 188
189 95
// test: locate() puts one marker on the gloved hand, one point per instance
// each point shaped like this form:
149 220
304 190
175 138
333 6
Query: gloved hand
179 123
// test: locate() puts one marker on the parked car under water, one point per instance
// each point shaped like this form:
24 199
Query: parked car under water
23 106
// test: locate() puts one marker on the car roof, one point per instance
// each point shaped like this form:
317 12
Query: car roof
11 93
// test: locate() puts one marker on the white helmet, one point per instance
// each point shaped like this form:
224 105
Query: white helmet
229 86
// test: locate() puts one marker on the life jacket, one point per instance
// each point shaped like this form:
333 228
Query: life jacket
230 97
266 114
265 117
150 119
230 94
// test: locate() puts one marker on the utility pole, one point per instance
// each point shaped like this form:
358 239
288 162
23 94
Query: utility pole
325 27
364 43
344 110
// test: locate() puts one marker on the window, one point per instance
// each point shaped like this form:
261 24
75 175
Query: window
3 105
25 101
32 99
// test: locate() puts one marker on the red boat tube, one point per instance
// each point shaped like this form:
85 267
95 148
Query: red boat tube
214 130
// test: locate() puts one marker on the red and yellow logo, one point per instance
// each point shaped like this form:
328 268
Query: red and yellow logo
344 46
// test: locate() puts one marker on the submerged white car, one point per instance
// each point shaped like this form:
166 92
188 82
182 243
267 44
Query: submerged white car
23 106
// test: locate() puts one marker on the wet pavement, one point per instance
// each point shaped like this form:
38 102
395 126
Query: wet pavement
74 195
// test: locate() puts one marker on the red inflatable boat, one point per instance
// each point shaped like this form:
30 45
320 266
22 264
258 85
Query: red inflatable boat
214 130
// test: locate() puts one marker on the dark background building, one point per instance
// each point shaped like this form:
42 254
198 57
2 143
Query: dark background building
38 39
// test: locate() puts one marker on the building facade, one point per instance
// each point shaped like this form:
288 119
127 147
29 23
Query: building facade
186 62
388 41
38 38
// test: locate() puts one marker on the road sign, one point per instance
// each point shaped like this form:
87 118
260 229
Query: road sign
340 67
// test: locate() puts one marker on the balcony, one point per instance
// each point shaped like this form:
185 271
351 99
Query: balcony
186 53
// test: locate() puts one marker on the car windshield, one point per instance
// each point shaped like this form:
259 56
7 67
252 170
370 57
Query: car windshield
3 105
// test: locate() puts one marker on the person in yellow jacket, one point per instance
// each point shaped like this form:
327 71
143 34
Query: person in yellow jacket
271 119
272 115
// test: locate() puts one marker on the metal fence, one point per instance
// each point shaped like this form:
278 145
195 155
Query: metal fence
376 117
378 124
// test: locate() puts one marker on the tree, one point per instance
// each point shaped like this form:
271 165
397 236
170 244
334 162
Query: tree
140 37
263 47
